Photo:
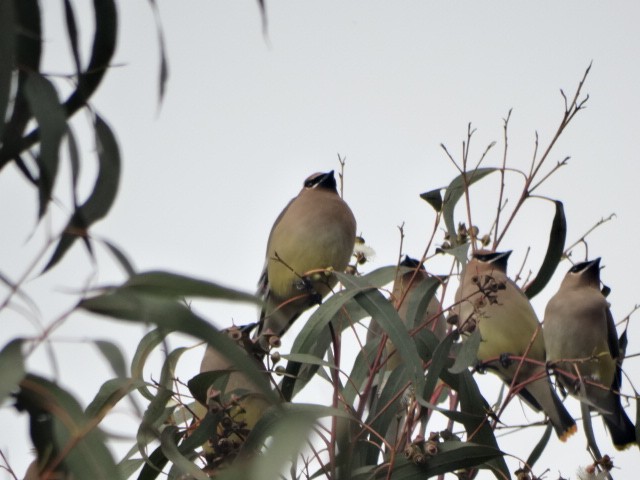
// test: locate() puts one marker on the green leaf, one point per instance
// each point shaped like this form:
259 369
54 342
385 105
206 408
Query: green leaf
157 412
308 360
439 360
45 105
360 371
28 57
418 302
473 416
120 256
388 408
129 466
164 66
101 198
587 424
454 192
7 56
460 253
313 339
387 317
74 160
535 454
148 343
277 419
451 456
433 198
110 393
104 192
468 353
114 356
172 316
72 33
555 250
153 465
104 45
168 439
75 435
27 33
12 369
199 385
174 285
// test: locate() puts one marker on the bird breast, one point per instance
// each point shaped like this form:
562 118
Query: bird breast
322 236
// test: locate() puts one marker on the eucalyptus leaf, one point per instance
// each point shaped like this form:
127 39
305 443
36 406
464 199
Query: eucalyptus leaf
555 251
468 353
74 434
12 369
454 192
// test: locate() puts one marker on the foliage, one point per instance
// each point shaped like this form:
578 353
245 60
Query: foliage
347 439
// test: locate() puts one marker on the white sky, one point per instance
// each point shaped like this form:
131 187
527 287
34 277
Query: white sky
245 120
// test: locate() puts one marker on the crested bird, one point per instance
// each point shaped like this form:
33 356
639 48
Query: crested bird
313 236
582 344
508 325
410 288
240 400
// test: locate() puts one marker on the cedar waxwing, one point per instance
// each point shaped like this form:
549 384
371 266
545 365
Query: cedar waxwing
403 297
243 412
406 292
578 325
507 322
316 231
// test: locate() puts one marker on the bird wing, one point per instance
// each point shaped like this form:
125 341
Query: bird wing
614 348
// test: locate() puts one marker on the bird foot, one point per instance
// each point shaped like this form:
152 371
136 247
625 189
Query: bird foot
505 360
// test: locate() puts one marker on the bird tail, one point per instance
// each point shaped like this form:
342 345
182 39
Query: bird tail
563 423
622 430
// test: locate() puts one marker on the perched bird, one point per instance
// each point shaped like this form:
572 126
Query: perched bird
408 287
409 290
242 410
508 325
582 342
313 235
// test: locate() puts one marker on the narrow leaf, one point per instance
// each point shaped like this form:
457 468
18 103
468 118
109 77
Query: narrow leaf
164 65
418 302
27 31
170 448
174 285
12 369
120 256
387 317
7 56
451 456
74 160
110 393
104 45
114 356
555 249
439 361
468 353
175 317
454 192
535 454
101 198
148 343
45 105
72 33
86 454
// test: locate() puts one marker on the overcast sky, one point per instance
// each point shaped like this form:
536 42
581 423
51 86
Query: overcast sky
246 118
